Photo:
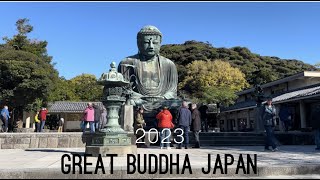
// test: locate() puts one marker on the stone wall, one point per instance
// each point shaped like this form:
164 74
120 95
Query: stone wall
47 140
40 140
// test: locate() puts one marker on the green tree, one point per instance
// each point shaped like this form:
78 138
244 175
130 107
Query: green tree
205 80
24 78
222 95
86 87
271 68
26 73
21 42
64 91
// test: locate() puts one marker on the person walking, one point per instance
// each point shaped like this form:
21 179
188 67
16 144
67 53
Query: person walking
184 123
43 117
315 124
5 116
97 116
268 117
165 124
88 117
37 122
103 118
139 124
196 124
61 122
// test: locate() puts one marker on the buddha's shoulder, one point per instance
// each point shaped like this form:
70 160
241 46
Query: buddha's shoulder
166 59
130 59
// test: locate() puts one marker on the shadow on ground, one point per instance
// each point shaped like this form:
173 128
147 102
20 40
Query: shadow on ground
56 150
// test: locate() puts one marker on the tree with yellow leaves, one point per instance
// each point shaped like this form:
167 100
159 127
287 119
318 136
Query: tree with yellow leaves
213 81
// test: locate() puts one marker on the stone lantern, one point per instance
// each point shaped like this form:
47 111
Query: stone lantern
112 139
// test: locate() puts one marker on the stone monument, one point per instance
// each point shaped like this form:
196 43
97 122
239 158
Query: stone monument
153 78
112 139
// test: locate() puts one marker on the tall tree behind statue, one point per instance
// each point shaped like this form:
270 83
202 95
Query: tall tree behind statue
26 72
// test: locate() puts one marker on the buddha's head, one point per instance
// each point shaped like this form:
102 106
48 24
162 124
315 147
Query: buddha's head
149 41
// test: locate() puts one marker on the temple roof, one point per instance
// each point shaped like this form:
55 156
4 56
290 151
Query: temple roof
69 107
301 93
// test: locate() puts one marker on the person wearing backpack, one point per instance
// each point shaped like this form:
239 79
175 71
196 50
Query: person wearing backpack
5 116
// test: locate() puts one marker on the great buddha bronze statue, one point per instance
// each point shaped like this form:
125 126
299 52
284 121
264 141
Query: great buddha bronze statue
153 77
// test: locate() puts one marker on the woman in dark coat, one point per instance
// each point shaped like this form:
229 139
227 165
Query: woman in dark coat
196 124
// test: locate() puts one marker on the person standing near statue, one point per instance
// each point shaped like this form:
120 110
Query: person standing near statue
60 123
103 118
88 117
153 77
196 124
97 116
37 122
5 116
184 123
43 117
139 124
165 124
268 117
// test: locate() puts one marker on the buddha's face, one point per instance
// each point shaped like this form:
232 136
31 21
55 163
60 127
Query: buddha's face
149 45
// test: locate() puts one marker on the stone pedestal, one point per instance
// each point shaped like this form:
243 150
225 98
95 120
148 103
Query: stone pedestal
110 143
119 150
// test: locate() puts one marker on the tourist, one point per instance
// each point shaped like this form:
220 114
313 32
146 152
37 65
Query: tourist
268 117
184 123
43 117
139 124
204 121
97 116
37 122
315 124
196 124
103 118
61 122
285 116
5 116
165 124
88 117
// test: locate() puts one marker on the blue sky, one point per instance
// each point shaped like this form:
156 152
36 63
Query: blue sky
85 37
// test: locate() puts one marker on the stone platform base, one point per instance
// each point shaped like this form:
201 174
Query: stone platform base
103 150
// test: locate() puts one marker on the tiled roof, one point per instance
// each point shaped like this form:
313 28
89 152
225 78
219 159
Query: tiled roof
297 94
240 105
291 95
69 107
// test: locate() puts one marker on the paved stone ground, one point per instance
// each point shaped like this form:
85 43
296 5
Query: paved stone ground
288 162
